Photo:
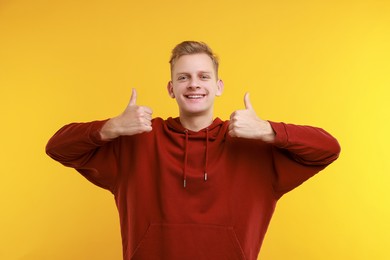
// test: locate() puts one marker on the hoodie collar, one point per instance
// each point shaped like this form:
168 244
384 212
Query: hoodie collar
175 125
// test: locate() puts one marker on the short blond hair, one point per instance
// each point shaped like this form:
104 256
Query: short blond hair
193 47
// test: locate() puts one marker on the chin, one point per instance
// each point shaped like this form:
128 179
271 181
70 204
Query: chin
194 112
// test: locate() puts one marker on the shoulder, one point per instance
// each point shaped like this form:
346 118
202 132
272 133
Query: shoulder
158 123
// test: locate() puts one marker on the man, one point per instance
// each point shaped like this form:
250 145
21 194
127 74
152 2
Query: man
193 187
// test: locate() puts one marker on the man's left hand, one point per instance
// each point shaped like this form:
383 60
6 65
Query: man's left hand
246 124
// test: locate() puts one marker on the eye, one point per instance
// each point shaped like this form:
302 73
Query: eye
205 76
182 77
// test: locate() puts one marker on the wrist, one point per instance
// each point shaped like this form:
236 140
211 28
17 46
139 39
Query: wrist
268 133
108 131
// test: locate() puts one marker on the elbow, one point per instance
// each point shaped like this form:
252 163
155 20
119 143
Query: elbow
334 151
50 149
53 150
336 148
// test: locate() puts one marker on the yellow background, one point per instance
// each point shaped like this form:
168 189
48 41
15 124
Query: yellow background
323 63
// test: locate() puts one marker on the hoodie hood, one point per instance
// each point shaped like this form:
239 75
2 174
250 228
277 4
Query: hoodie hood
216 130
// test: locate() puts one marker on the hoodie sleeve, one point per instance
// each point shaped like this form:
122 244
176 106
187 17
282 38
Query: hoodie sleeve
300 152
79 145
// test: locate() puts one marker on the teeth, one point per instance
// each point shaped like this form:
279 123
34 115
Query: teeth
194 96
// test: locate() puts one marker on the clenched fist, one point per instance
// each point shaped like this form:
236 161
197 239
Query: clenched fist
246 124
134 120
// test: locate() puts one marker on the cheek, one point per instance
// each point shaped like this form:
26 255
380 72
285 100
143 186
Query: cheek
179 88
215 90
176 91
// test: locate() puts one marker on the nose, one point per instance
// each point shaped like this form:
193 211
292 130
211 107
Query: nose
193 84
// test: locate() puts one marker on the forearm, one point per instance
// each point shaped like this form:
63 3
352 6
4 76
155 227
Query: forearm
74 144
308 145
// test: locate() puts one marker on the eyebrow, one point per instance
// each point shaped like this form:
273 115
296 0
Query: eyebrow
199 72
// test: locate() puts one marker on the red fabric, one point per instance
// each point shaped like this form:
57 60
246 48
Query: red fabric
222 217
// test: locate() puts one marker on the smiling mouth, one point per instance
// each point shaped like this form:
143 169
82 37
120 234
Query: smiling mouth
195 96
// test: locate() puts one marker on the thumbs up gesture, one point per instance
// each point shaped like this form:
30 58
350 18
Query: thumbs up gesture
246 124
134 120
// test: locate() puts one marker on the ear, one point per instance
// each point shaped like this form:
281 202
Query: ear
170 89
220 87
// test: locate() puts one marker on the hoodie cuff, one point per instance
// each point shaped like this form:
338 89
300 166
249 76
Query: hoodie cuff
94 132
281 136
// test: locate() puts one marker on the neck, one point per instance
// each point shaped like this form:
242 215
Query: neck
196 123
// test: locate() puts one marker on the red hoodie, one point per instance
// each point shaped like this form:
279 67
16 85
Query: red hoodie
194 195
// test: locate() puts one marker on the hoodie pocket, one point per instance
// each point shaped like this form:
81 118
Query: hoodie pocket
189 241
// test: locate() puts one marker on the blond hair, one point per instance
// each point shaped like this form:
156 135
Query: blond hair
193 47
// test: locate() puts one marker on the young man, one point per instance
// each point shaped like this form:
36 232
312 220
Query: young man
193 187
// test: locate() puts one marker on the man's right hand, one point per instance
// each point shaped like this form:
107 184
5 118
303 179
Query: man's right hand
134 120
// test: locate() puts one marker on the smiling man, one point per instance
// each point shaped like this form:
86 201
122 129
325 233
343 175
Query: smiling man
193 187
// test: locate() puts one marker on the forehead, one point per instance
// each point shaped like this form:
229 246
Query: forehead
193 63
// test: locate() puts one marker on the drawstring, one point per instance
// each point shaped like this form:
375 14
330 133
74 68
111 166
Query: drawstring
206 154
186 157
185 160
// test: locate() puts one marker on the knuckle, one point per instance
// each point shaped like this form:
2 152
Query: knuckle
236 124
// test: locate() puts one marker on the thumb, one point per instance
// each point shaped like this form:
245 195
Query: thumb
133 98
247 102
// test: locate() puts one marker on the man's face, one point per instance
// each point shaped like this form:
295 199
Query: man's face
194 84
